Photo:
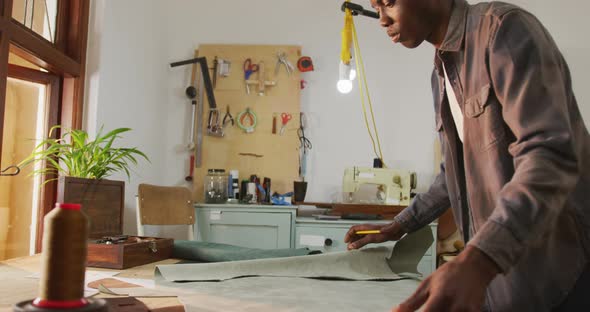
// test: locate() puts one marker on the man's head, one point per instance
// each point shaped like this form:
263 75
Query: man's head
410 22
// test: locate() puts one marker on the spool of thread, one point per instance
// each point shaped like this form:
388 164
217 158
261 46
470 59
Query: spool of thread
63 264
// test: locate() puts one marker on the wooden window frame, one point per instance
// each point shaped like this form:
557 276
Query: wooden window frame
65 59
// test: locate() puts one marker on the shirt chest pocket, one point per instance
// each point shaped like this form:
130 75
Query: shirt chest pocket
484 125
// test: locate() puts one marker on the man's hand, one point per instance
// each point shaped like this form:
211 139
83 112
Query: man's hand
392 231
459 285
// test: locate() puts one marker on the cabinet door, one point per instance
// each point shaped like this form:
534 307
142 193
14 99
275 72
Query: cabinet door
246 229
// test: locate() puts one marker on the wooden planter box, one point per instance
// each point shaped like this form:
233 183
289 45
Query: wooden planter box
102 200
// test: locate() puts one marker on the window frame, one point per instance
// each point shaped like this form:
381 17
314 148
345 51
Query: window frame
65 59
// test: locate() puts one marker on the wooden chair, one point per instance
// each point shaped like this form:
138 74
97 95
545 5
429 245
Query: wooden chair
165 205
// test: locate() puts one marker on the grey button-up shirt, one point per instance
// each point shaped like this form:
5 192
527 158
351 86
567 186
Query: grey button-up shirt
519 185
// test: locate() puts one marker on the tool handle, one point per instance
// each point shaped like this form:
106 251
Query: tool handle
358 9
191 169
204 73
274 124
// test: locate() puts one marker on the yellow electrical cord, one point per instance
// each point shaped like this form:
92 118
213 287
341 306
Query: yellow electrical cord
346 37
361 73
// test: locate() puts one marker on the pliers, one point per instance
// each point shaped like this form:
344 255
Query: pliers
228 118
282 59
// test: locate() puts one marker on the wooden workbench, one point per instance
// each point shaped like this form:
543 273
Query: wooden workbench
16 286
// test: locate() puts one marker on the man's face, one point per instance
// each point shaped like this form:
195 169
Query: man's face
406 21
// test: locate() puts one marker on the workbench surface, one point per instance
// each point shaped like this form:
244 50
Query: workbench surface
17 286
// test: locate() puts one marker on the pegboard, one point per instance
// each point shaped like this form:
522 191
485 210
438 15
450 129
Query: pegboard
279 153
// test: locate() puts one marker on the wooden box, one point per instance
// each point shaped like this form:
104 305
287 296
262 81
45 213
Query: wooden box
102 201
131 252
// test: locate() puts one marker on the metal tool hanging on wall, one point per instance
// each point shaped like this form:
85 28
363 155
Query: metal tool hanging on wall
205 86
283 60
213 127
228 118
220 68
261 82
191 94
7 171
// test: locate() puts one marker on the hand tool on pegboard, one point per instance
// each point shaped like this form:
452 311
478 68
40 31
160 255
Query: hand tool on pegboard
191 94
205 86
5 172
304 64
191 169
285 118
283 60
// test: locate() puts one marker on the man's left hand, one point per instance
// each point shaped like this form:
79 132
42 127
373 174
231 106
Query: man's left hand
459 285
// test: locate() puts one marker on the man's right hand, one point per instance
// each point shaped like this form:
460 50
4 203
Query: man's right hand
392 231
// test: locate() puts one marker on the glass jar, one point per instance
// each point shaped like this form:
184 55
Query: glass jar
216 182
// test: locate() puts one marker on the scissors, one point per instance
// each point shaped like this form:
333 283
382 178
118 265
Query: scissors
249 68
305 143
285 118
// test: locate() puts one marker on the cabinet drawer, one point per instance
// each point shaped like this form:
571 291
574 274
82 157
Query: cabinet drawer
328 239
331 239
320 238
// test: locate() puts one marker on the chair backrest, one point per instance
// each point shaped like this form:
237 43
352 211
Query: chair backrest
165 205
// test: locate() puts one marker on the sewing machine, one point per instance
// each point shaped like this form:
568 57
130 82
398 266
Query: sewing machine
394 188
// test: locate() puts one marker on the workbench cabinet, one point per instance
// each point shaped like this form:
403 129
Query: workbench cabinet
253 226
328 236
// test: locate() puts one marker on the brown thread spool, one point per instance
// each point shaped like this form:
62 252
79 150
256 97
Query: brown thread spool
63 263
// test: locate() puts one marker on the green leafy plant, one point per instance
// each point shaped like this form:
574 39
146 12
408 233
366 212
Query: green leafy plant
75 156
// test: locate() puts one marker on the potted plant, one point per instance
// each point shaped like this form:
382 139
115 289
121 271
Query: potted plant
82 166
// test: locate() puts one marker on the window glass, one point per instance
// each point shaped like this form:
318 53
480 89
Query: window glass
37 15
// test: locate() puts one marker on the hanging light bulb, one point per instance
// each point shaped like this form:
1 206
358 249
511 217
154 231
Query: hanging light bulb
352 75
346 73
344 86
345 78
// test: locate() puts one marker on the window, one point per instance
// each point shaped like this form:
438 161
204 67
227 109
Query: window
38 15
43 47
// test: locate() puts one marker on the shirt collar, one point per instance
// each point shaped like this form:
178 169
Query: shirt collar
456 29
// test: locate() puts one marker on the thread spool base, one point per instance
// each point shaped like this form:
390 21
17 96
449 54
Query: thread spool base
94 305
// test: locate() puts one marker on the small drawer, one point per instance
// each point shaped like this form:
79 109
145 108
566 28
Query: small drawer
329 239
320 238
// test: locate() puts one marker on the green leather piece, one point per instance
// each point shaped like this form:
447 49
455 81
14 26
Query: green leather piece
213 252
366 264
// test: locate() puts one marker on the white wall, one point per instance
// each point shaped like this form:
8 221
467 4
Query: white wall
130 83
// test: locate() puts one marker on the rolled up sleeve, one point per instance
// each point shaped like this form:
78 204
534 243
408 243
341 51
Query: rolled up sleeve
426 207
532 83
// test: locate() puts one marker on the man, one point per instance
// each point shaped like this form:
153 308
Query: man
516 165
